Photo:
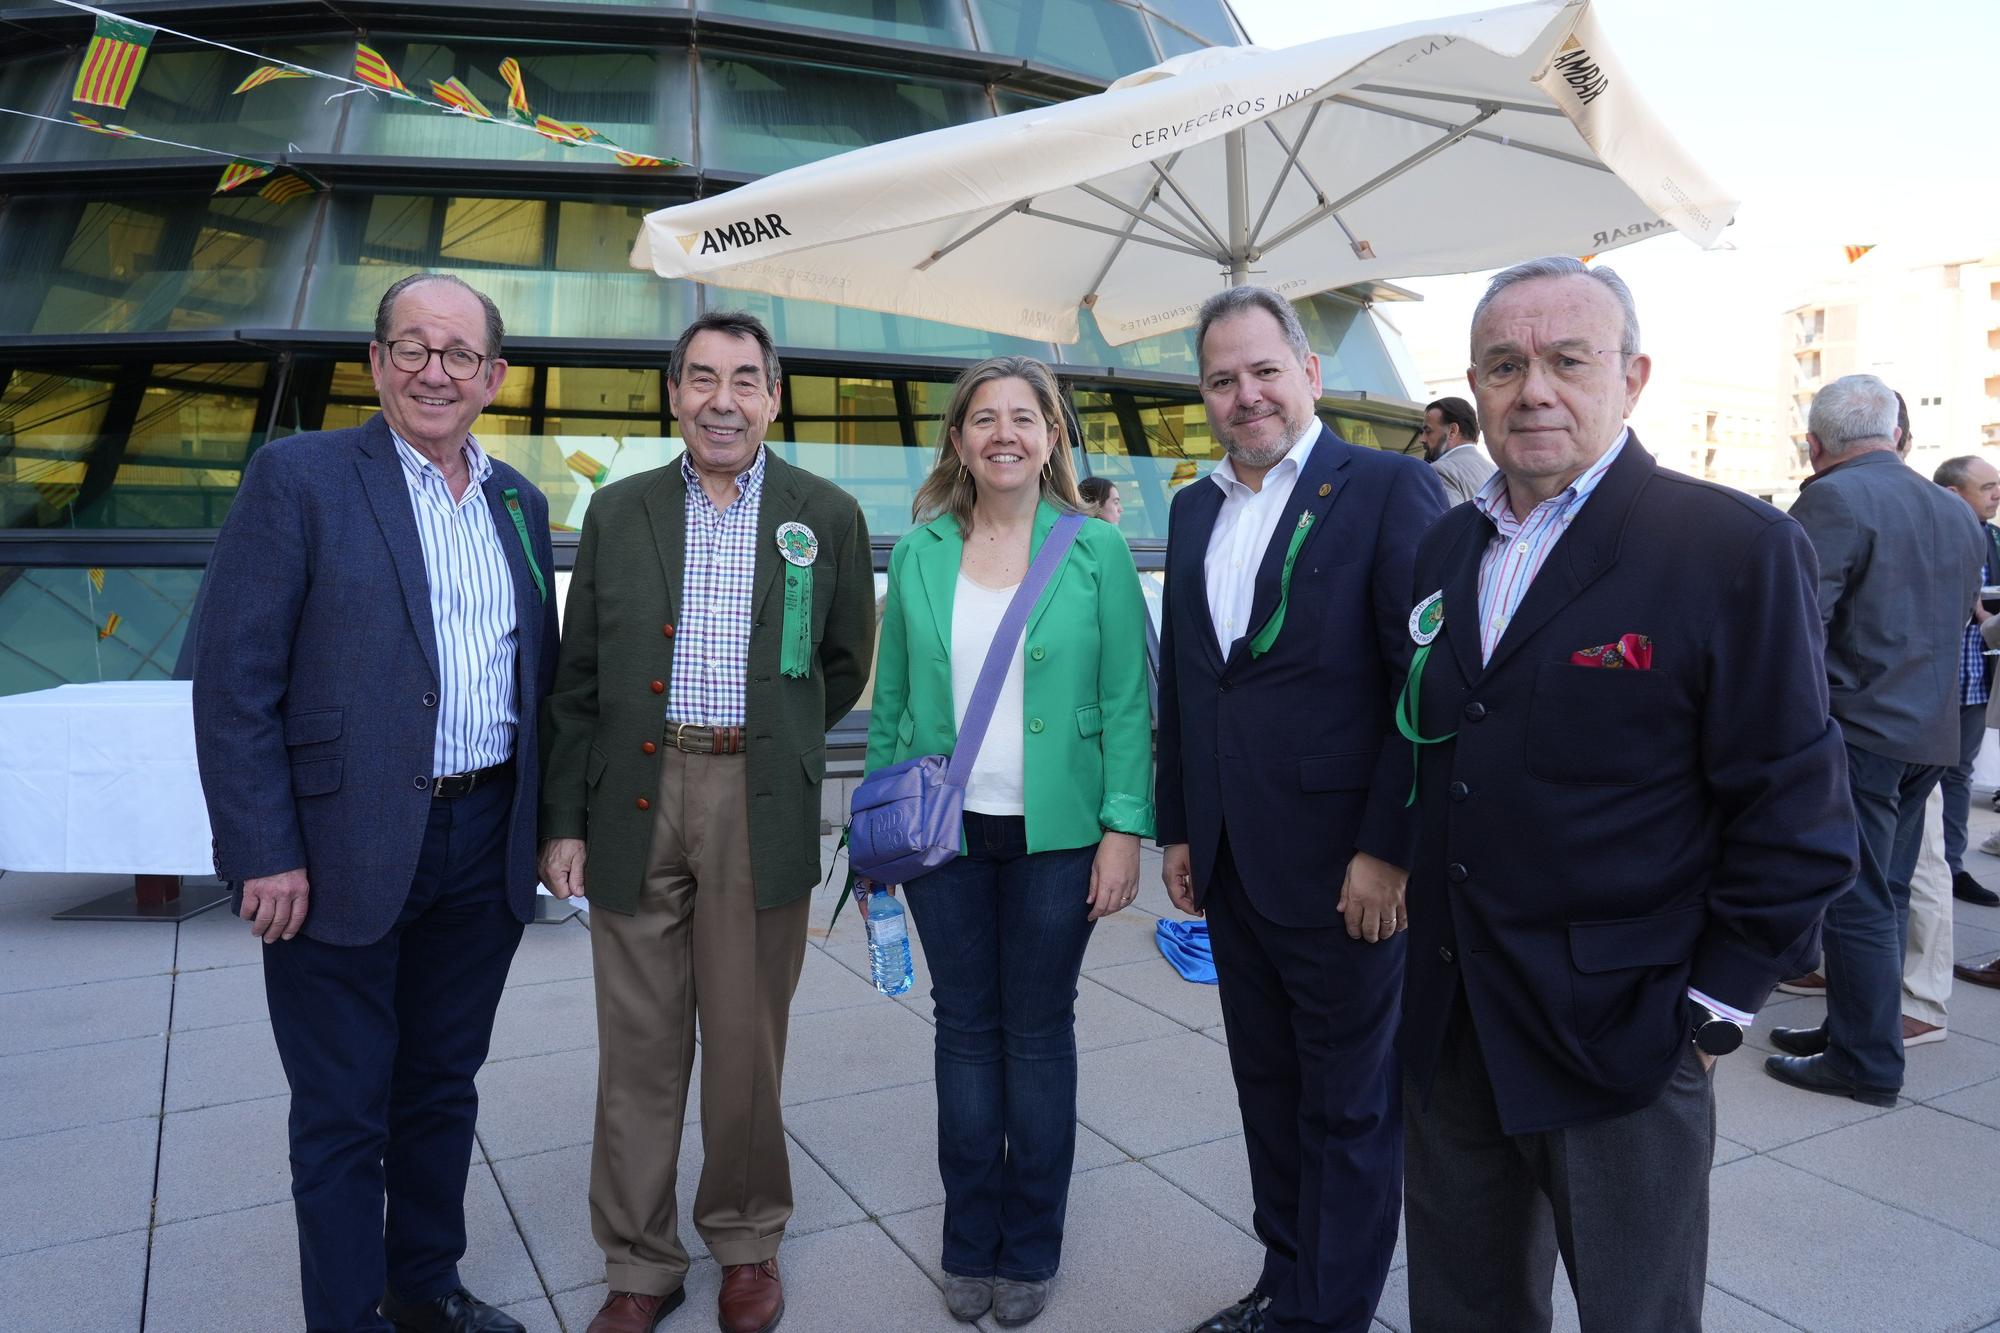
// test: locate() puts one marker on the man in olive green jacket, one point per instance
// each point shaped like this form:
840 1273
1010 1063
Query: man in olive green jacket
720 619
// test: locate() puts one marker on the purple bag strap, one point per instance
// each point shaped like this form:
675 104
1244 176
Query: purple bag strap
985 694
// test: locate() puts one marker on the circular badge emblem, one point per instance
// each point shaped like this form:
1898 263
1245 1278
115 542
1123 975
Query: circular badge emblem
797 544
1428 618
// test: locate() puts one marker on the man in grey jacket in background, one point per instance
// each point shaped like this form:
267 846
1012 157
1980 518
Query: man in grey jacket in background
1899 566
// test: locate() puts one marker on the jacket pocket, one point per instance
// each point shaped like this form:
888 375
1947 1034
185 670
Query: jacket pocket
1090 720
593 768
814 760
1626 983
1337 772
906 730
314 726
1596 726
316 777
1643 941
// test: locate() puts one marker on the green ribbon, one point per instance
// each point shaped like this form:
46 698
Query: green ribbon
1261 641
795 641
512 495
1406 717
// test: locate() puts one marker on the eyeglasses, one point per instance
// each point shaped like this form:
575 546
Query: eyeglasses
1571 365
461 363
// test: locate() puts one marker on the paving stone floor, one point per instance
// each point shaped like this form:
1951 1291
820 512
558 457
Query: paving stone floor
143 1179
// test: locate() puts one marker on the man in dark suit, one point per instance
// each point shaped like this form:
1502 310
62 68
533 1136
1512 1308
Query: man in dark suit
1281 799
1977 482
376 637
1899 562
1633 813
721 618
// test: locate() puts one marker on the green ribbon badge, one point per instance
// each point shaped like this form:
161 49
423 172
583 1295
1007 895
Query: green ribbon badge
512 495
800 548
1425 622
1261 641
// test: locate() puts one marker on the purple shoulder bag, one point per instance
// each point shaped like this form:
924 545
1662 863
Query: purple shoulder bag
905 819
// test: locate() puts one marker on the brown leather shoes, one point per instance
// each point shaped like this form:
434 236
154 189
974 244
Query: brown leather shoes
633 1312
1986 974
753 1300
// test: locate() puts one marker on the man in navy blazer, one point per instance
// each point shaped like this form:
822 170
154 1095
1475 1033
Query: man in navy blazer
377 633
1281 797
1634 811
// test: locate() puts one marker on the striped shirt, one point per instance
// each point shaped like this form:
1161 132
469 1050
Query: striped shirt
1518 550
712 642
472 612
1520 546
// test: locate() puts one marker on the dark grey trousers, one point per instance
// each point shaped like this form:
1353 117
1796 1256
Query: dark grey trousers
1625 1202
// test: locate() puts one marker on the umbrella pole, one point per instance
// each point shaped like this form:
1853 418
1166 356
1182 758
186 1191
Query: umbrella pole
1236 167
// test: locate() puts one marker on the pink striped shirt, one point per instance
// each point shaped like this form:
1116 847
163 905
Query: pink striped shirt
1520 546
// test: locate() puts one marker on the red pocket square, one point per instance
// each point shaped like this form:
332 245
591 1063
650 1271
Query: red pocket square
1631 650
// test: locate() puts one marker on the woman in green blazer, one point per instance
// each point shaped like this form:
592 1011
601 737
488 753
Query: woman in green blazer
1055 807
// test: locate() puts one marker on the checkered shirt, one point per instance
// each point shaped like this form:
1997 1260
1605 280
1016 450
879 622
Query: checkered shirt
1972 687
712 640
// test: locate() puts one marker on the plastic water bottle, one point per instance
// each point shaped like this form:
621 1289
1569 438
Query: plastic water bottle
888 943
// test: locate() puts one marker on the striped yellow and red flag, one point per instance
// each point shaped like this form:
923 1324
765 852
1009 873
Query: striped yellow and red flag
551 128
517 91
455 94
1855 252
286 188
372 69
637 160
239 170
96 573
264 74
110 626
111 63
99 127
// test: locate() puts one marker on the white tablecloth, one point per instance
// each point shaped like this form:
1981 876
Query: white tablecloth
101 779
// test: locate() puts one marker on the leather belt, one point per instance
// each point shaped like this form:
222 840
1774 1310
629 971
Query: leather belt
454 785
690 739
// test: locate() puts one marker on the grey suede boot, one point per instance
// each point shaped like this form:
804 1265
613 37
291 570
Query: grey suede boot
1016 1303
967 1297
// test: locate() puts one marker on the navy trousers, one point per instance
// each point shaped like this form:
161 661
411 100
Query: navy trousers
380 1044
1311 1017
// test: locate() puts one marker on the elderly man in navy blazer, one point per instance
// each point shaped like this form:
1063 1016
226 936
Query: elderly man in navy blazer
1634 811
377 634
1281 793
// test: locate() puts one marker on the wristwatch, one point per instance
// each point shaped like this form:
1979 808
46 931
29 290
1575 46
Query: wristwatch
1713 1034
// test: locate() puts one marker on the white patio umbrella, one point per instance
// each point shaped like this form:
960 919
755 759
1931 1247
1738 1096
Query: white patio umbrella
1440 146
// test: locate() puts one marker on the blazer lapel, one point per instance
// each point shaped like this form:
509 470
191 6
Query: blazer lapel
1190 567
1581 554
937 570
666 506
527 598
1461 594
1323 469
389 497
778 506
1045 522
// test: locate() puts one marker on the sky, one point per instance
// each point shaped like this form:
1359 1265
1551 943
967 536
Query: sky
1835 122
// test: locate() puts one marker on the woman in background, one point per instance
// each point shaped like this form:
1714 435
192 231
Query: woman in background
1100 499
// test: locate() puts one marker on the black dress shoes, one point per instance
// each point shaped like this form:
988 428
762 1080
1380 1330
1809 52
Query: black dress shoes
1800 1041
1810 1072
456 1311
1969 890
1246 1316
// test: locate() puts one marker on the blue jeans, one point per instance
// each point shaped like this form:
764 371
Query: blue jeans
1004 933
1868 926
1957 783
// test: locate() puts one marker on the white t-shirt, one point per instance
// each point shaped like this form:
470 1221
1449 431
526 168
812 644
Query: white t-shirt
996 784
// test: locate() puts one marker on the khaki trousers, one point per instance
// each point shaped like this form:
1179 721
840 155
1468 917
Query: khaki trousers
1927 957
696 944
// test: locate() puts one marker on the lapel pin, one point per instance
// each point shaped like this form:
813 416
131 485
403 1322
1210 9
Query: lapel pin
1326 488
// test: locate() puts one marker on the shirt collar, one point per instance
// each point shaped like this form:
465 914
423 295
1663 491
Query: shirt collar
1301 450
749 482
1491 498
477 464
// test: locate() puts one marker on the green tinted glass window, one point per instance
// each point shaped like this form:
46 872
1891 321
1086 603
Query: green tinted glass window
842 328
937 22
151 265
763 116
59 628
874 438
1093 36
556 268
134 446
1206 19
28 83
1351 355
1149 445
1163 353
1173 40
187 95
638 98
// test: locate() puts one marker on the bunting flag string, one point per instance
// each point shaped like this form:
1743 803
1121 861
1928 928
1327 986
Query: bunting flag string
517 90
119 48
295 181
239 170
94 126
112 62
286 188
1855 252
264 74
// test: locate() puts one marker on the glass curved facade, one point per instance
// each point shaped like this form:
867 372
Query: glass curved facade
155 334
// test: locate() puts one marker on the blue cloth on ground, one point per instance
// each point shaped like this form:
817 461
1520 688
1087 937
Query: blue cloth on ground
1185 945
